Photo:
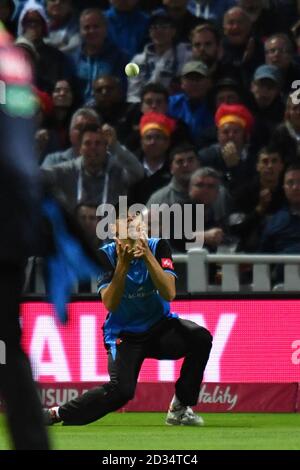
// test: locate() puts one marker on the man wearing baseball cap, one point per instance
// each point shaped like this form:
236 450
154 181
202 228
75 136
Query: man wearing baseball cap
192 105
267 105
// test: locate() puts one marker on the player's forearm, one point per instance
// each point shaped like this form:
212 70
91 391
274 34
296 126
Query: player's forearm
111 295
164 282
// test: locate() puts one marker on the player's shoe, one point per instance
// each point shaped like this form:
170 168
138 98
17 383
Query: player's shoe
179 414
51 416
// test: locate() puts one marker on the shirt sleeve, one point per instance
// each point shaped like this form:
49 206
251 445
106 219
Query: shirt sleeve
163 255
106 273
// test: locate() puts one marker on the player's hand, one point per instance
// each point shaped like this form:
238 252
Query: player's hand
141 248
230 154
124 252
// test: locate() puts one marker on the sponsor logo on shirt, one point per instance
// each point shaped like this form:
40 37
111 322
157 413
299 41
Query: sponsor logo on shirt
167 263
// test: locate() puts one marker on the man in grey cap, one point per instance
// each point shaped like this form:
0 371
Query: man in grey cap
192 105
267 105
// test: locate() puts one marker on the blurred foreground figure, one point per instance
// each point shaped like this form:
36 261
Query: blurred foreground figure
19 219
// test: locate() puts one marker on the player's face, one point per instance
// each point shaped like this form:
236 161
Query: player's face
130 227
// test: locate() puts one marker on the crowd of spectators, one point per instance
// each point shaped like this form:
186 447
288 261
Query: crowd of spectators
213 116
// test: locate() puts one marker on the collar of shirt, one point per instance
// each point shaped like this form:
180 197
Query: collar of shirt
149 171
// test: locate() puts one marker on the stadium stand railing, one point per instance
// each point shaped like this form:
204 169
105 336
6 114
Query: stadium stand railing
243 273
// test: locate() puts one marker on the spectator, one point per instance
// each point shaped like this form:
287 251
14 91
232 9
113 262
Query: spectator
231 156
267 105
286 136
109 102
127 26
102 173
264 17
183 162
279 51
80 119
54 131
281 234
183 20
63 25
206 47
226 90
241 48
87 218
192 106
155 130
154 98
7 15
203 189
96 56
257 199
161 61
51 65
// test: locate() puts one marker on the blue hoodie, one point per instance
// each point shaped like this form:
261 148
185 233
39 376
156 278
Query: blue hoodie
128 30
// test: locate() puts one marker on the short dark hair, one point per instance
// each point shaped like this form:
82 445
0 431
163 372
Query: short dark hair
292 167
270 149
206 27
91 127
184 147
92 11
154 88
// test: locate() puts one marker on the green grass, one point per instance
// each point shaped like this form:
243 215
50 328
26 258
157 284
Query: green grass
147 431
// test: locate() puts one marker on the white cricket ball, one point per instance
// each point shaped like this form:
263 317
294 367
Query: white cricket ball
132 69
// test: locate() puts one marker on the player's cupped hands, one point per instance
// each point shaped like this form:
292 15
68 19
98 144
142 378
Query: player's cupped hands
125 252
141 248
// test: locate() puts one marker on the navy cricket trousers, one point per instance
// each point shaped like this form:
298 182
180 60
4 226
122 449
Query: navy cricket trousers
171 338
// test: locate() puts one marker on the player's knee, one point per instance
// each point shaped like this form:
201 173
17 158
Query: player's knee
203 338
